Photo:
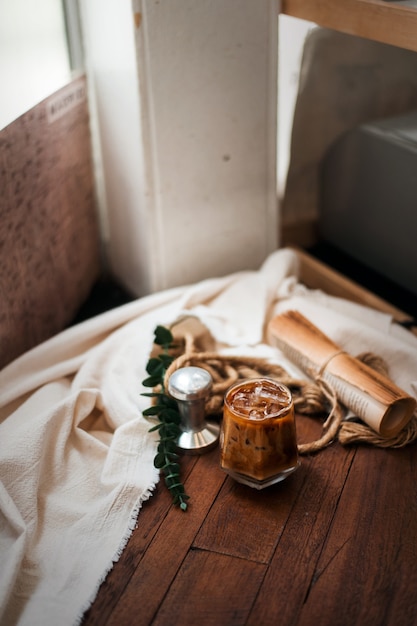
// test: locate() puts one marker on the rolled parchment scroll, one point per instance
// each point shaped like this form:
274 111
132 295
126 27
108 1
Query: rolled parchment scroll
370 395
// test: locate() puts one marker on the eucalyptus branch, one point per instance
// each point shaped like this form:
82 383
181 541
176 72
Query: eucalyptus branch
165 409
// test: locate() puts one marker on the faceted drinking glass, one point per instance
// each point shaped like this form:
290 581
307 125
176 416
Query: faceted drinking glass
258 441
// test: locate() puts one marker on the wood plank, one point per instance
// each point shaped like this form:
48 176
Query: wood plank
316 275
150 519
161 561
247 523
115 584
293 565
368 564
386 22
211 589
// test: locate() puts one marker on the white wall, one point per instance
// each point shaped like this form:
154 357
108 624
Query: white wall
186 116
116 118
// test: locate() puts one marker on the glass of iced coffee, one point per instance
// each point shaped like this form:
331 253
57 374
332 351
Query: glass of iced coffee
258 443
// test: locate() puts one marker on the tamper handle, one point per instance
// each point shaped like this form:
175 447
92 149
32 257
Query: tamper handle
190 386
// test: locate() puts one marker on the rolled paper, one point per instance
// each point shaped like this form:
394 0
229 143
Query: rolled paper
372 396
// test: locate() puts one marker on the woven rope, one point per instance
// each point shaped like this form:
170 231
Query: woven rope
310 398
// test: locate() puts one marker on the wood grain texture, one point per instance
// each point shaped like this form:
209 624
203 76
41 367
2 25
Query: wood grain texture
317 275
49 241
368 563
211 589
334 545
386 22
151 518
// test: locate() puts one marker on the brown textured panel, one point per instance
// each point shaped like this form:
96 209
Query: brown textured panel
49 242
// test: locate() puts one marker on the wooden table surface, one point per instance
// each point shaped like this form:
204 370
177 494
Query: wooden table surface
334 544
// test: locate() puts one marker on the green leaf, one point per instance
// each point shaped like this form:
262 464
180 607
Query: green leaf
172 430
175 486
154 428
166 359
166 410
170 415
172 476
155 409
170 447
154 366
163 336
152 381
167 438
169 402
153 394
179 495
167 446
159 460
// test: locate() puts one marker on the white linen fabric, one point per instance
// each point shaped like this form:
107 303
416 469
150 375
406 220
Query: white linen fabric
76 455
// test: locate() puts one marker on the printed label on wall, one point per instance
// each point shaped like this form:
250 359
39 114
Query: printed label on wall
65 100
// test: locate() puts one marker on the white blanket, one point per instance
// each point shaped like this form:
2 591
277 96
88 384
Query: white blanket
76 457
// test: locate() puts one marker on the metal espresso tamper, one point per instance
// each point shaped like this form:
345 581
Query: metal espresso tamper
190 386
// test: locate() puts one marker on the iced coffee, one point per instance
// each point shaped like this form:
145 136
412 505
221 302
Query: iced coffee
258 438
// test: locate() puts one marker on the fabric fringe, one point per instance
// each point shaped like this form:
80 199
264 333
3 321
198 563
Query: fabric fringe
131 526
